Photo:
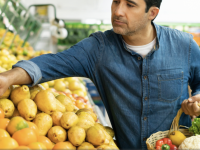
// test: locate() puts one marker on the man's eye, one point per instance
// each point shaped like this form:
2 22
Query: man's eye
130 5
115 2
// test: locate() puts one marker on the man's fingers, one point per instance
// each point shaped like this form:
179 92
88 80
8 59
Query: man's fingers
194 98
190 108
184 107
196 108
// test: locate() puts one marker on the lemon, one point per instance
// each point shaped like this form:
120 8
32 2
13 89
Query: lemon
177 137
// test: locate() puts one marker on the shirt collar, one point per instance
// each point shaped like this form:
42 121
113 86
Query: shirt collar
156 47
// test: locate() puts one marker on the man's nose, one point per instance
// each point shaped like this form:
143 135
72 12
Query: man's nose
119 11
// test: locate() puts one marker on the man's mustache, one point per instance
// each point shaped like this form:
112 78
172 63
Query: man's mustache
119 19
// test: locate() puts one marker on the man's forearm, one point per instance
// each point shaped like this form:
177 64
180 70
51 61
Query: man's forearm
17 76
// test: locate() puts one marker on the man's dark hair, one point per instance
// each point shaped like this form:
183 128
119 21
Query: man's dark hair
150 3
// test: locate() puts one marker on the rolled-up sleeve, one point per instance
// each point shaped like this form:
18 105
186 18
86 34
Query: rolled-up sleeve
194 68
31 68
80 60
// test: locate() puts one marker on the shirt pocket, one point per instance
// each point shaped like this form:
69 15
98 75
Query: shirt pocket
170 87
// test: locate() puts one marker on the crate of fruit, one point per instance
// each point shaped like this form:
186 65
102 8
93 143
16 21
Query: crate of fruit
177 137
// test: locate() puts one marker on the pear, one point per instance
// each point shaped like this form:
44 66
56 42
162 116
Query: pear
57 134
7 106
37 87
59 85
85 120
67 145
108 138
33 93
19 94
45 85
44 122
107 147
56 116
110 131
76 135
6 94
27 109
86 145
66 101
45 101
95 135
60 107
51 83
94 116
68 120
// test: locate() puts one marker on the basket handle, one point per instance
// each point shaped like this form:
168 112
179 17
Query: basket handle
175 123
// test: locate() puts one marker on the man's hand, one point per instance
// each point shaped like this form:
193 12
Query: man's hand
16 76
190 106
4 84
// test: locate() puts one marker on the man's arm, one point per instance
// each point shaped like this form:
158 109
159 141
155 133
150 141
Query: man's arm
191 106
15 76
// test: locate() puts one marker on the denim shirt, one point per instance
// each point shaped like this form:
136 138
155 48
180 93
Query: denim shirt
141 95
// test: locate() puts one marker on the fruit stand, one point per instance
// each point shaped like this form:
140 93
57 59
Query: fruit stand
68 120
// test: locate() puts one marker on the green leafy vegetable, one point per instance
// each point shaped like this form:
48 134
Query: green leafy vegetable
195 128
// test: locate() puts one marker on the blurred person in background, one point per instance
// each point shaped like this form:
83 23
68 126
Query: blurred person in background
140 69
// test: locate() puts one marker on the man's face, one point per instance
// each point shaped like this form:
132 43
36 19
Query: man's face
128 16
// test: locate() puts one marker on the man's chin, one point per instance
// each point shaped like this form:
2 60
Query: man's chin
118 30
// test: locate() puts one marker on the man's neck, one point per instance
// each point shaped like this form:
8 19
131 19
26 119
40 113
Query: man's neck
142 37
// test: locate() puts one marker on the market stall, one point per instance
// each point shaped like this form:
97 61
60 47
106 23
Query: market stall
56 114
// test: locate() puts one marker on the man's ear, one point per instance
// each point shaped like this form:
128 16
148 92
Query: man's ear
153 12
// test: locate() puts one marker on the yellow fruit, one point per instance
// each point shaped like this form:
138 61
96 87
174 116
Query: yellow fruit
45 85
66 101
85 145
79 92
59 86
8 143
44 123
56 116
15 124
19 94
76 135
37 146
7 106
4 133
57 134
51 83
71 79
6 94
64 145
27 109
177 137
74 85
46 101
68 120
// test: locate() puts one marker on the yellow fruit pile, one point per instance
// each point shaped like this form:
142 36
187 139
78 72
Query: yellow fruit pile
71 87
6 60
37 119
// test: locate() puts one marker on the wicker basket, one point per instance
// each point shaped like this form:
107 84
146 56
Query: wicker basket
151 141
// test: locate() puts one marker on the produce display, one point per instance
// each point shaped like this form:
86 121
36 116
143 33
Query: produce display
39 118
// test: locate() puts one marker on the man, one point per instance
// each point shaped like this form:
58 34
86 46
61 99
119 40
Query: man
140 69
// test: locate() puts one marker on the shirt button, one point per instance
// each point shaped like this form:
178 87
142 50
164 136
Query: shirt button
145 77
145 118
139 58
144 139
146 98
